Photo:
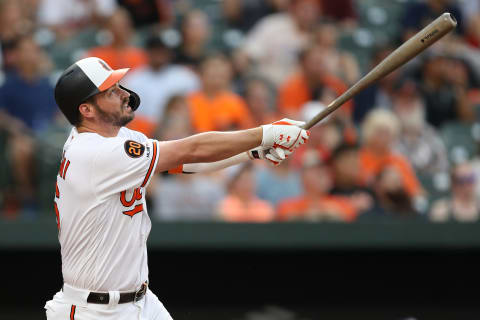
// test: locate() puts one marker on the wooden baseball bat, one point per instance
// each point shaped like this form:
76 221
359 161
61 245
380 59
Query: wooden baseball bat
422 40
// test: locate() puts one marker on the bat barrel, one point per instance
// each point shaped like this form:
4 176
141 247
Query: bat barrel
422 40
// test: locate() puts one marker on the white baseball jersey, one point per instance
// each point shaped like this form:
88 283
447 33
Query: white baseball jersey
101 210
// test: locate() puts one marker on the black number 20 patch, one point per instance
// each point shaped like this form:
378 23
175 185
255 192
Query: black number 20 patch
134 149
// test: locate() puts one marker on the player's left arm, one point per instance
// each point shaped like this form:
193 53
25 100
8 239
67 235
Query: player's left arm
258 153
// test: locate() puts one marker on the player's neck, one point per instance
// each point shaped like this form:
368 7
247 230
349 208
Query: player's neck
103 130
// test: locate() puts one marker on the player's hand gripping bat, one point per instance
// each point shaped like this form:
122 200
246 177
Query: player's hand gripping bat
422 40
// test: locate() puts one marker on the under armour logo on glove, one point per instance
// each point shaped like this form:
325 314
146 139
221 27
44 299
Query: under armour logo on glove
274 137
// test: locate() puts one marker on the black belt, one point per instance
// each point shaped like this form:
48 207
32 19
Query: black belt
104 298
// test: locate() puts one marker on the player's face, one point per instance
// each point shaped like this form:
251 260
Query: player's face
112 106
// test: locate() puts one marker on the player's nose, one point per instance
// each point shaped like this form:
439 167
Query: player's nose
124 93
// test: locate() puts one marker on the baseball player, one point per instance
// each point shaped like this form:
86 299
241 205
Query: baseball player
100 206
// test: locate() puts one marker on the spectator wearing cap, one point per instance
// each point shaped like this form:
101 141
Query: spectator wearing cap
120 53
215 106
241 204
157 82
316 204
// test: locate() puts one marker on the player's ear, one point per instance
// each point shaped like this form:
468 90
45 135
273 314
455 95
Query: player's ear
86 110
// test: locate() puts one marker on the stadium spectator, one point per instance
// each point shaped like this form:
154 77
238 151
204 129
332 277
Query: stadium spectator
28 107
26 93
473 31
13 23
340 63
276 40
315 204
392 197
378 94
183 197
241 204
244 14
186 198
342 11
120 53
146 13
313 82
156 83
326 136
277 183
176 122
379 132
215 106
463 204
420 13
444 87
418 141
260 98
67 17
196 33
345 166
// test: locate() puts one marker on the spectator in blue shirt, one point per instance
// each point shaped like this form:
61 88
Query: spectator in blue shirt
27 107
25 92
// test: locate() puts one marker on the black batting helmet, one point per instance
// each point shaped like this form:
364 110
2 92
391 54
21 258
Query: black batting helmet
84 79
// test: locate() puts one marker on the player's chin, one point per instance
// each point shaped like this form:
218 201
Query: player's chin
126 119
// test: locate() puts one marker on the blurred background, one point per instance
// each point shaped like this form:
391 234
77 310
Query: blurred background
376 218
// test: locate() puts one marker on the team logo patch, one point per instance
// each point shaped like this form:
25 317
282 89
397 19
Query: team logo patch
134 149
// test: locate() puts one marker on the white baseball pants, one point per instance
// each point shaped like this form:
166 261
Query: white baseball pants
71 303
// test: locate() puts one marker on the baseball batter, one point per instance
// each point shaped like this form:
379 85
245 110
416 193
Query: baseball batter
100 206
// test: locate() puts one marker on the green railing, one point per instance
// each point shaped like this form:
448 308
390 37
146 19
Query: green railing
42 234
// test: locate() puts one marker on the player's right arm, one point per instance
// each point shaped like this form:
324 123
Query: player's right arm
217 150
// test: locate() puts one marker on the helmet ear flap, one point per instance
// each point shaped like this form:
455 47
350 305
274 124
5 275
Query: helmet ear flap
134 98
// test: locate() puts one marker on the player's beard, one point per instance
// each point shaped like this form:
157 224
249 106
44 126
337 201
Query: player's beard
115 119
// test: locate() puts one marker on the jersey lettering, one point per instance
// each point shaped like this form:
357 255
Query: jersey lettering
137 195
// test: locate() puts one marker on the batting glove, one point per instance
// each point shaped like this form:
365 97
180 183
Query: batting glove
284 135
268 154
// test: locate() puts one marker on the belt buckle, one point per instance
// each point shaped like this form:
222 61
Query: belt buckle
141 292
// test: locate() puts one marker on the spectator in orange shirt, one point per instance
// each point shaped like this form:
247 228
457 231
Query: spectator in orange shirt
310 83
215 106
316 204
241 204
120 53
379 132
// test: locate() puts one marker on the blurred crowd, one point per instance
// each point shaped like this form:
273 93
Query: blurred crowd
404 148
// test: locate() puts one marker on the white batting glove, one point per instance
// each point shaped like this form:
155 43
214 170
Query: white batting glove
284 135
268 154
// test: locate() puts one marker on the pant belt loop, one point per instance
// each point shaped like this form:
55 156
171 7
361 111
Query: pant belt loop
114 297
